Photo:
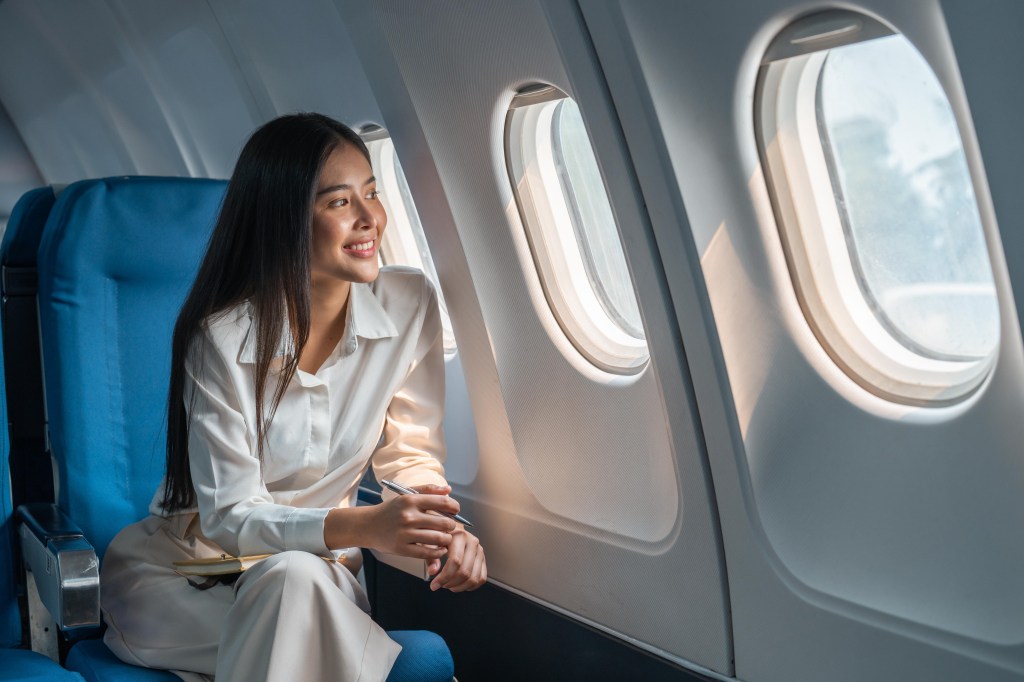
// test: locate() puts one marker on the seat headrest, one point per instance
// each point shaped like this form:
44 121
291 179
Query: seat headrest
25 227
131 226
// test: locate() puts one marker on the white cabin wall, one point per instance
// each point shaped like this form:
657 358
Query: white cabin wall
990 54
574 464
864 540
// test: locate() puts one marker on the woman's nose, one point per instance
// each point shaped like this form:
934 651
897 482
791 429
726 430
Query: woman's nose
367 216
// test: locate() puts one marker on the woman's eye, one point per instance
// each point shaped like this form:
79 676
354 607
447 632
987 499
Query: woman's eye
374 194
338 203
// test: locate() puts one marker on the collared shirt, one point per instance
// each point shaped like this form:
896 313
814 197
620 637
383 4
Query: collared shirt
378 398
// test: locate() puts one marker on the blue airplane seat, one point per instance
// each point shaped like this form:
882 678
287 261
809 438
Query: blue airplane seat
28 666
31 477
115 262
424 658
15 664
97 663
25 226
27 218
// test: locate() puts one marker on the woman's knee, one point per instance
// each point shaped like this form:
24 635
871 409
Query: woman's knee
302 576
288 567
294 563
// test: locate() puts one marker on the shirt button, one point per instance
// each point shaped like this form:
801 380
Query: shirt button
350 346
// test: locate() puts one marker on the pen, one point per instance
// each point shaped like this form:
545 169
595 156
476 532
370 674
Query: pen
402 490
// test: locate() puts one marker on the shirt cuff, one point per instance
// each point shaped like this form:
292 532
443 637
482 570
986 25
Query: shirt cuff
304 530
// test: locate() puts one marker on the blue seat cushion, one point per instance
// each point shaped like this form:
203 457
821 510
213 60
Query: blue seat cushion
424 658
96 663
28 666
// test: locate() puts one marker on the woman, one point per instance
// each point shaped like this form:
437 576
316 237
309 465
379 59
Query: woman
296 364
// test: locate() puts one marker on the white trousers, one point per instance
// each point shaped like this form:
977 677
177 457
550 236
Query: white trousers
293 616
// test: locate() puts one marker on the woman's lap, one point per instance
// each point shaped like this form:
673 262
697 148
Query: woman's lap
154 616
157 619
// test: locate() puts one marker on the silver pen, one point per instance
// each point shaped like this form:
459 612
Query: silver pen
402 490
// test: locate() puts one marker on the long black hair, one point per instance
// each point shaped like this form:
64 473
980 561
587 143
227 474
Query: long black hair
259 252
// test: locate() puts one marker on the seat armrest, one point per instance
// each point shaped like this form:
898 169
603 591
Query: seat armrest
63 563
367 496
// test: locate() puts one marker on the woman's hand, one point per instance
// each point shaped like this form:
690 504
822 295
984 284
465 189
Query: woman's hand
404 525
434 565
465 568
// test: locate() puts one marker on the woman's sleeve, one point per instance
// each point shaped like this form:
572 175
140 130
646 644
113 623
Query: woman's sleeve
236 511
413 449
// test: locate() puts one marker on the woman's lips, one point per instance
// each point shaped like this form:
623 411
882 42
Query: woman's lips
366 249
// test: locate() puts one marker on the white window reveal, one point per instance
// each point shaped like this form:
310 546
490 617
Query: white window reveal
877 208
572 231
404 242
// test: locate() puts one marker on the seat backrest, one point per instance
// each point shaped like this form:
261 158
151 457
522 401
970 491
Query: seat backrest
31 477
116 260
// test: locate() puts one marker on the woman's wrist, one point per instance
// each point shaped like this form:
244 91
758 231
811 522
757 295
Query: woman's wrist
346 527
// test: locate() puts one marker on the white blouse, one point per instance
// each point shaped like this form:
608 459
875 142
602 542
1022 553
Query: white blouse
378 398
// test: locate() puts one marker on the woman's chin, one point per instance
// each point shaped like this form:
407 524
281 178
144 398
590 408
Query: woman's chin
365 275
361 275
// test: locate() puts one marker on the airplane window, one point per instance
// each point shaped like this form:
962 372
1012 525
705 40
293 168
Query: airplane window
907 199
572 231
404 242
877 206
592 220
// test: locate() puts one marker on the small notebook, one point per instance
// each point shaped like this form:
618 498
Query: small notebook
223 565
416 567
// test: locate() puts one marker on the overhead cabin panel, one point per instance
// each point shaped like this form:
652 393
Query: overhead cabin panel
18 172
58 62
107 87
583 472
298 57
123 88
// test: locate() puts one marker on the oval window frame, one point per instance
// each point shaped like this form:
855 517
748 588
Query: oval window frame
822 269
400 245
546 217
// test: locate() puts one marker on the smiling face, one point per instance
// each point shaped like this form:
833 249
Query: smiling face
348 220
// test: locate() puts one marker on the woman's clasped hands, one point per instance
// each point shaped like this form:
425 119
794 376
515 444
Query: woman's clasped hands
408 525
464 568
